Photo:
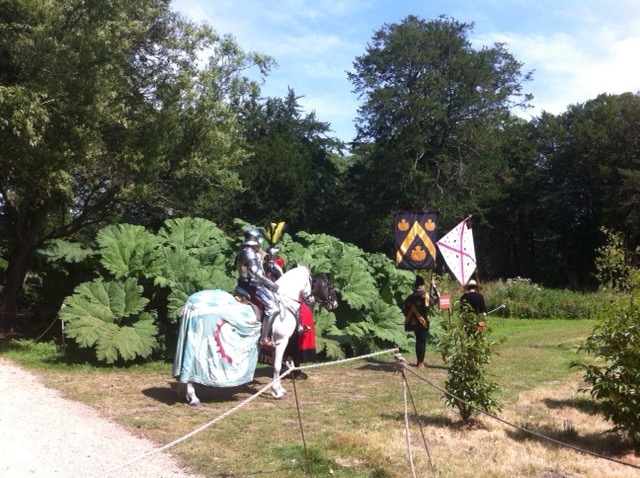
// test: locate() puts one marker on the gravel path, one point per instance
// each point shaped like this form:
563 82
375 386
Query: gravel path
45 435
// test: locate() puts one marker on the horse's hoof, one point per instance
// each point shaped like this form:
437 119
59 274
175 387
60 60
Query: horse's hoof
279 395
194 402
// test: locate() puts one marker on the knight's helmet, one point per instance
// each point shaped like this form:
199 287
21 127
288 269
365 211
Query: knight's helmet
273 252
252 237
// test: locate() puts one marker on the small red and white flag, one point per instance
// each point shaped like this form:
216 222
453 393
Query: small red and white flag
458 251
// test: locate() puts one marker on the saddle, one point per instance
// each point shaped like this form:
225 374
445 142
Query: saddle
242 296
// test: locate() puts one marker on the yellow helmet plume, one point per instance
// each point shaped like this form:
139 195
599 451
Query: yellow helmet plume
274 231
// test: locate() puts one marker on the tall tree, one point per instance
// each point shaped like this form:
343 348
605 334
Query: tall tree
104 109
290 175
432 104
507 241
589 165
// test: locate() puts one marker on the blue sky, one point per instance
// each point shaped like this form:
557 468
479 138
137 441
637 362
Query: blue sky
578 49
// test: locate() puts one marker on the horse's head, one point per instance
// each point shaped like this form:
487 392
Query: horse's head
323 292
315 287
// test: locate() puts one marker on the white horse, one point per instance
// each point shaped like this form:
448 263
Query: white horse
218 342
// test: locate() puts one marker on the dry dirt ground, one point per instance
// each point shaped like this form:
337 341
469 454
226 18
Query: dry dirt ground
45 435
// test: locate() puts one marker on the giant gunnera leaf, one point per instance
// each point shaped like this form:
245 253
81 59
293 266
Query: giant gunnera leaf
130 251
111 317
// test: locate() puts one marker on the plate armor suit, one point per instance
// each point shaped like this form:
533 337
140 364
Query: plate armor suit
252 278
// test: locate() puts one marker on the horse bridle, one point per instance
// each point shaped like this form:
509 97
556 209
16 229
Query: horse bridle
309 298
325 301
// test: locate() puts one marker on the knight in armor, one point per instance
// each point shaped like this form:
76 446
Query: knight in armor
273 264
251 278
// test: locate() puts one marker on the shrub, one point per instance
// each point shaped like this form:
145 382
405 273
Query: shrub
616 383
526 300
612 262
466 348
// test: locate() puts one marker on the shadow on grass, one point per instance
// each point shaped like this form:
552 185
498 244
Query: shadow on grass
606 444
438 367
378 365
265 371
440 421
390 366
582 404
169 395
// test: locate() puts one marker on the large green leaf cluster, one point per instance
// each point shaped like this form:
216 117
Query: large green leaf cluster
111 316
370 289
144 280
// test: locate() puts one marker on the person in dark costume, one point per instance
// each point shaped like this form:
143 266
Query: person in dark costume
473 306
416 312
472 298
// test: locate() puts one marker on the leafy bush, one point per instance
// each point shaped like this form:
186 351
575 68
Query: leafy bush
152 274
616 384
466 347
527 300
369 288
111 316
612 264
130 309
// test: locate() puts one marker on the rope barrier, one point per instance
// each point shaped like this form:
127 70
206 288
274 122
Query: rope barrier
304 441
402 367
406 425
190 434
522 429
402 364
48 328
351 359
237 407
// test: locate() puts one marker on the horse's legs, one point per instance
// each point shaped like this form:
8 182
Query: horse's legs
277 390
188 393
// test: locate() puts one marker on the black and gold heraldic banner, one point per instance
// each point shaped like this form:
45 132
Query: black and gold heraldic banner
415 239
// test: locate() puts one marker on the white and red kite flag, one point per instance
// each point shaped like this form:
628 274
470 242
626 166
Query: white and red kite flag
415 235
458 251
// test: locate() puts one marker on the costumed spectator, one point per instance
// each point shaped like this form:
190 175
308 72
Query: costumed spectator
302 345
252 279
472 305
416 312
473 298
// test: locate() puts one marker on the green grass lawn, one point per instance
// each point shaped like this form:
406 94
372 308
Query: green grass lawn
352 413
535 352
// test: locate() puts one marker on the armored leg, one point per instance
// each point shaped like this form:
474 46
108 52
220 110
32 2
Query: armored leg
271 310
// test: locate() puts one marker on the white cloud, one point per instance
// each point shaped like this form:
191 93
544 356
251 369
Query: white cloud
574 67
578 48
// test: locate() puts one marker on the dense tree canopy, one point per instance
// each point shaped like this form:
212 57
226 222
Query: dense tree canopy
432 105
588 164
105 110
290 175
124 112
